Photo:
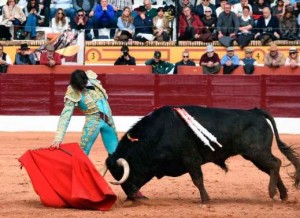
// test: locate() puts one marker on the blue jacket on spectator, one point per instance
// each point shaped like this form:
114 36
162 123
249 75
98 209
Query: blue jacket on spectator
143 26
107 16
234 59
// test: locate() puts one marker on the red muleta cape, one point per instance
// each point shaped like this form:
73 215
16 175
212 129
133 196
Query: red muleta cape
66 177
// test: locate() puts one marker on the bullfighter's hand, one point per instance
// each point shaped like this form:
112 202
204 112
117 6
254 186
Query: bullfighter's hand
55 144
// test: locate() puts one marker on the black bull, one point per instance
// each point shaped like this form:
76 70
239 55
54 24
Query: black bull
162 144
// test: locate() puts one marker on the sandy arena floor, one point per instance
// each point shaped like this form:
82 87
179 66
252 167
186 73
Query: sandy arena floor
242 192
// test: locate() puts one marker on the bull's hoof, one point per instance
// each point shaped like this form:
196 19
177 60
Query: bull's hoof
284 199
137 196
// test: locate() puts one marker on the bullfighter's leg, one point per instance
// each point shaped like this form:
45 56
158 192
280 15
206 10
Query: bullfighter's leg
197 177
271 165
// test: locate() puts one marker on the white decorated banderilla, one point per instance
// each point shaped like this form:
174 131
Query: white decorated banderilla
198 129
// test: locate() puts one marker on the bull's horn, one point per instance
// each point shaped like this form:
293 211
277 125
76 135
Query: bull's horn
103 171
122 162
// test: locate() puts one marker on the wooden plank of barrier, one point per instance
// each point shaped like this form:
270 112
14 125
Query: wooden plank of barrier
41 69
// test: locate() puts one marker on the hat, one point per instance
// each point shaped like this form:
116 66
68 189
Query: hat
230 48
210 48
208 9
24 47
248 50
125 48
293 49
50 47
142 8
157 54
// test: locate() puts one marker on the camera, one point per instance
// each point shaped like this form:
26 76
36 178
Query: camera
125 53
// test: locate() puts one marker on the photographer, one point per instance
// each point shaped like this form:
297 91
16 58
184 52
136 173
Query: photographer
125 58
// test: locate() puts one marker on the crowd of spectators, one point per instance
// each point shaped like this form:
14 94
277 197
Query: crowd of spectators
190 20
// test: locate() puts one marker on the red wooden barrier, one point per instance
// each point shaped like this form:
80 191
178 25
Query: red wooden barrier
138 94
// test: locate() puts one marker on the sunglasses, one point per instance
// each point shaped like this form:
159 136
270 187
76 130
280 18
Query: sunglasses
80 15
293 52
185 56
207 11
248 52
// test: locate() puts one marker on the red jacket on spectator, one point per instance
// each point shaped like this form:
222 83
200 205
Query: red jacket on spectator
196 23
44 59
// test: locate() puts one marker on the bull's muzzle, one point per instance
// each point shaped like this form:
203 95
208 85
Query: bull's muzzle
123 163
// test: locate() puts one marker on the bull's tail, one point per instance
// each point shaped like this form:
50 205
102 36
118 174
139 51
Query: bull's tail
288 151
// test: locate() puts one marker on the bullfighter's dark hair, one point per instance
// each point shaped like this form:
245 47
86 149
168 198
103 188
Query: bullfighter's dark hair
78 80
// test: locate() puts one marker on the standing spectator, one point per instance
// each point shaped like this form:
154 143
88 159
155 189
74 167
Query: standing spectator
119 6
59 23
228 26
267 27
161 26
186 61
238 8
4 60
191 27
24 56
248 62
50 57
274 58
288 26
104 17
201 8
125 58
159 66
33 13
229 61
13 15
293 60
220 9
125 25
279 9
82 22
210 61
143 26
210 22
245 34
68 8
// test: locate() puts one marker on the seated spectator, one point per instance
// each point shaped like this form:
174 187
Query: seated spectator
24 56
248 62
50 57
238 8
220 9
228 26
186 3
125 58
33 13
288 26
150 11
186 61
45 12
201 8
104 17
119 6
82 22
267 27
88 6
257 9
293 60
125 25
59 23
68 8
159 66
191 27
210 22
279 9
229 61
274 58
210 61
161 26
246 23
143 26
4 60
13 15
